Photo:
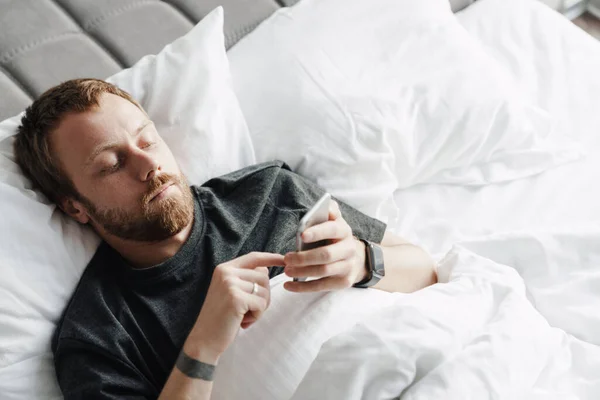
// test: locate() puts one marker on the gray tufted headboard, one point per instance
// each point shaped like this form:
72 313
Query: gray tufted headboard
45 42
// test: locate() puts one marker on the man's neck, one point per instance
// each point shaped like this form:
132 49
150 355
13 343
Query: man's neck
149 254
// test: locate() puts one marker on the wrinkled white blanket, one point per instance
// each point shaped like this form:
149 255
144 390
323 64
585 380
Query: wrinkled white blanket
486 333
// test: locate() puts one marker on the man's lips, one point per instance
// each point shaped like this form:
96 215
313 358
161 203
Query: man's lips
160 190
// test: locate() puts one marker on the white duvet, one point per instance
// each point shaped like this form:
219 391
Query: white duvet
489 331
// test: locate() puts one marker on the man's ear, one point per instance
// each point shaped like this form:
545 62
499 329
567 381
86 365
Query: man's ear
75 210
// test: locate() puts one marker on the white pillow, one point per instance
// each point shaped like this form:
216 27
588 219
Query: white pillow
391 93
186 89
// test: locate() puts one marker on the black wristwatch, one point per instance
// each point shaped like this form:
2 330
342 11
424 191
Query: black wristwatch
375 265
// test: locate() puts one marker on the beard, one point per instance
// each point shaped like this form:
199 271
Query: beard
157 220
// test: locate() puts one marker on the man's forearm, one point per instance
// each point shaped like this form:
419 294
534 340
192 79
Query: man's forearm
408 268
182 387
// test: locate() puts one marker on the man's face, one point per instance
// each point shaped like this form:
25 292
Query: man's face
129 183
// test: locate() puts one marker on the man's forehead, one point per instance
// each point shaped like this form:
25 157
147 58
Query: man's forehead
116 110
112 111
84 131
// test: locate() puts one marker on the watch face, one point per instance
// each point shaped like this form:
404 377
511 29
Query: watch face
378 266
375 264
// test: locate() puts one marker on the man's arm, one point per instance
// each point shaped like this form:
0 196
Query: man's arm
342 263
408 268
238 295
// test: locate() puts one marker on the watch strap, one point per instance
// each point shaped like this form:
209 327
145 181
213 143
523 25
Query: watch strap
371 261
194 368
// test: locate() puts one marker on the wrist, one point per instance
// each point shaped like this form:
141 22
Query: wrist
199 350
194 369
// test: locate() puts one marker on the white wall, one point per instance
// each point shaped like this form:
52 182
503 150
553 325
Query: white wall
594 7
571 3
574 8
556 4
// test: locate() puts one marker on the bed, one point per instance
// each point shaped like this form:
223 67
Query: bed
516 313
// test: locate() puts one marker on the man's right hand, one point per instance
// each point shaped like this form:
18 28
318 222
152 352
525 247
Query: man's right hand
230 305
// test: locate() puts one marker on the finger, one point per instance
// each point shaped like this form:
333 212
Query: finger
318 285
263 288
249 277
246 325
338 229
258 259
334 210
257 303
248 318
321 255
260 291
253 275
319 271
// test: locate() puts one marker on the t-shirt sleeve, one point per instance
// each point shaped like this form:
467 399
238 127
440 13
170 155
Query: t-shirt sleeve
303 194
263 205
85 372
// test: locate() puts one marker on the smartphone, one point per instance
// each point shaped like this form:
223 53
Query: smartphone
318 214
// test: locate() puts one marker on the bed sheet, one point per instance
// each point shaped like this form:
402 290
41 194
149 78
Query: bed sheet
556 65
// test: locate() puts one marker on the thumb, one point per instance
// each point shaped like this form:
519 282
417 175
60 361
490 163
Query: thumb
334 210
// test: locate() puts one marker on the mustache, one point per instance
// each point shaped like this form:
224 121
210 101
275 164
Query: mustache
156 183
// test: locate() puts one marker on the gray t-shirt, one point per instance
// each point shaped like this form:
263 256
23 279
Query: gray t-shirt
123 328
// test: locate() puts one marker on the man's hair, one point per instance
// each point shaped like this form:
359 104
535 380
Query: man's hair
32 146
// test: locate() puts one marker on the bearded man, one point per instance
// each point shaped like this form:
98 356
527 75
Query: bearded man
180 268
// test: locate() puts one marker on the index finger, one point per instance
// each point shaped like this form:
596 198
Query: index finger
259 259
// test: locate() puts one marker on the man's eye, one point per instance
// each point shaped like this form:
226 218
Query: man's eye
113 168
147 144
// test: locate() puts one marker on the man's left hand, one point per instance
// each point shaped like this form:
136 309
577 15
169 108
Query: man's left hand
338 265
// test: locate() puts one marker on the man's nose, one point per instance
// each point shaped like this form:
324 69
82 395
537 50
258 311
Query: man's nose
148 166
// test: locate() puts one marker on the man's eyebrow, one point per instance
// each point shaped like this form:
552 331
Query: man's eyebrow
140 128
112 145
